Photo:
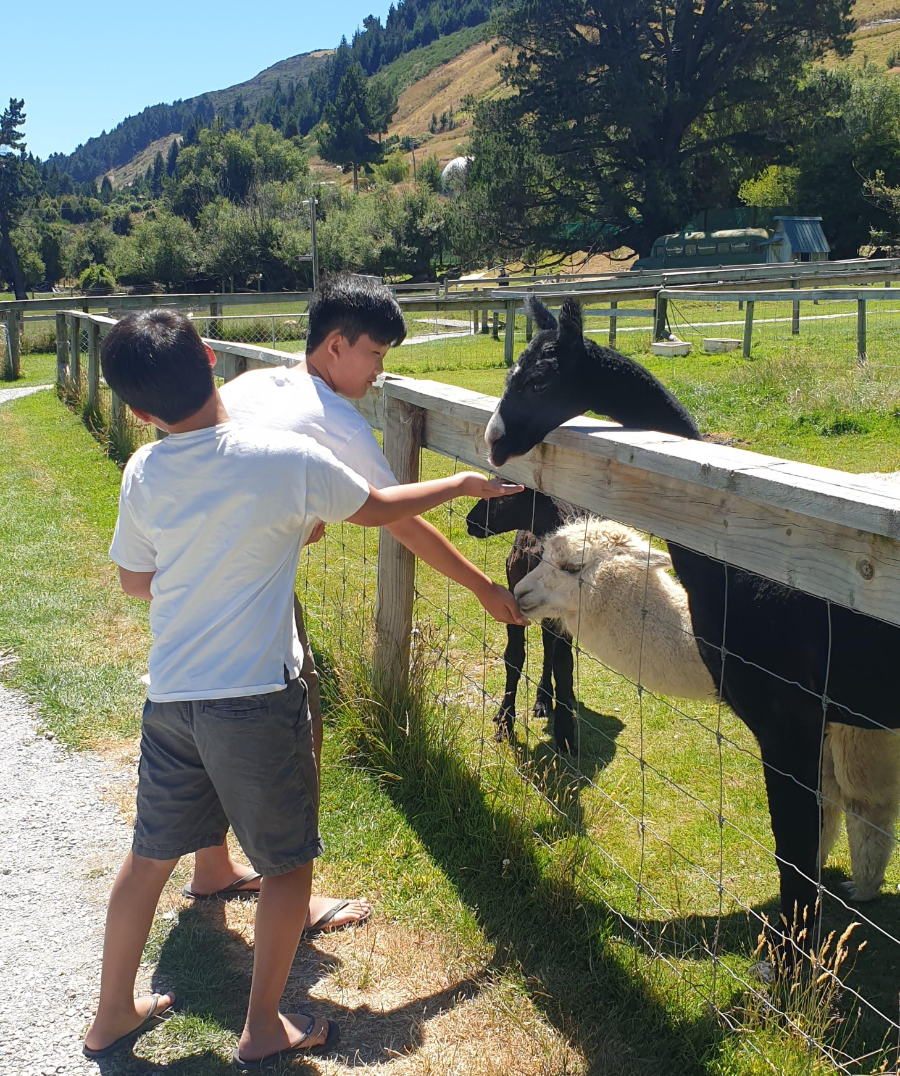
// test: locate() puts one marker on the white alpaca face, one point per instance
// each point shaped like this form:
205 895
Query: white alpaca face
552 589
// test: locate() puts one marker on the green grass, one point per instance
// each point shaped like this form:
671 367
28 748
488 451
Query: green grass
34 369
418 63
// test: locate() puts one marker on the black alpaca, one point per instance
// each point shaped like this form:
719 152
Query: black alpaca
533 516
776 641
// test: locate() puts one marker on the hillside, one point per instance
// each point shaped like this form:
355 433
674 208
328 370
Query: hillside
294 68
877 38
138 165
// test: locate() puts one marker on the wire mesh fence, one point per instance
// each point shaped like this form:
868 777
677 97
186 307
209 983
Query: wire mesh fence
657 817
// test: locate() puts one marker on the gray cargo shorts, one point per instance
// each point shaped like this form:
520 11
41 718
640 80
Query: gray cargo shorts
247 762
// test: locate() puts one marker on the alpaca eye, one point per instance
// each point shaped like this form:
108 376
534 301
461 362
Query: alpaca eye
571 569
538 386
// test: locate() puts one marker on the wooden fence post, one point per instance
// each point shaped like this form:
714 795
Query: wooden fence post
74 350
62 348
795 311
662 311
495 324
529 328
484 320
214 331
509 333
748 327
93 391
861 348
403 425
14 327
613 323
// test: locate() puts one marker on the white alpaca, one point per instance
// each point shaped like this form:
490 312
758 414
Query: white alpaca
597 576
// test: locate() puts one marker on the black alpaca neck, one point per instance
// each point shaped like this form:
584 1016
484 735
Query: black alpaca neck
629 394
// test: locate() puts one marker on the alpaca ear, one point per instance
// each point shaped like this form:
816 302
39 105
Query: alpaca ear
570 327
534 308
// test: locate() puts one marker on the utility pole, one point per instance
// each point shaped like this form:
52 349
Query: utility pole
312 202
413 144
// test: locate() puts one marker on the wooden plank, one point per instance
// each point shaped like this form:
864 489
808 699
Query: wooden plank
829 533
74 349
748 328
62 348
847 295
861 349
14 327
509 334
396 564
93 388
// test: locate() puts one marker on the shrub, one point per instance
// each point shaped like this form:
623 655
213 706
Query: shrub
97 278
395 168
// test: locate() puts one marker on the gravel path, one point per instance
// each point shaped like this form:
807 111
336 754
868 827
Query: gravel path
61 839
14 394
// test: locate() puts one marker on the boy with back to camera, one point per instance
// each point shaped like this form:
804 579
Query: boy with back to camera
211 522
353 322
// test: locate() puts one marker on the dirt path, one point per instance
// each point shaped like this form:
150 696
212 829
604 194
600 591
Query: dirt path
14 394
61 838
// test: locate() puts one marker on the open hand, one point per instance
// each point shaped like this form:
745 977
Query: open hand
501 604
473 484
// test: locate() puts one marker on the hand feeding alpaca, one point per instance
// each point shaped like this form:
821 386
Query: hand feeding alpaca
597 576
787 661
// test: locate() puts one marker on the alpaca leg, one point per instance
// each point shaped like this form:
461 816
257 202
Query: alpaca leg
832 813
514 659
792 777
566 704
543 703
867 770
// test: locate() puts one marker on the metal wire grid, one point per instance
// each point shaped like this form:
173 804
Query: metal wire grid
560 799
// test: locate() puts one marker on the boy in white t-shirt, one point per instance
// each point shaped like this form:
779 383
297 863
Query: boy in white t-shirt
211 522
353 322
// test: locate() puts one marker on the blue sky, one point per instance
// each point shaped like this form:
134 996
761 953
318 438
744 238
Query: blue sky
87 68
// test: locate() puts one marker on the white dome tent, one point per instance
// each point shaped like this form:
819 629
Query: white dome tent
453 178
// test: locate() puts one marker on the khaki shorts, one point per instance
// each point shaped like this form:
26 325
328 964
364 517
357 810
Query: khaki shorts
247 762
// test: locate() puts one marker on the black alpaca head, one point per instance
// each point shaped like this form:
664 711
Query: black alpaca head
562 374
542 389
525 511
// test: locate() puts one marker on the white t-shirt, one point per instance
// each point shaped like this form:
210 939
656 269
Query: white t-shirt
291 399
220 515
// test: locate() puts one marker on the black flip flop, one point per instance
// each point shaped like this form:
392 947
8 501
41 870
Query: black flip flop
321 924
235 891
327 1047
153 1020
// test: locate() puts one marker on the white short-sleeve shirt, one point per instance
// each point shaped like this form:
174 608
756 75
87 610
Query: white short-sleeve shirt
220 515
291 399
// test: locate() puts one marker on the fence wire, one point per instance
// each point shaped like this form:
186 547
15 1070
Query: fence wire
659 812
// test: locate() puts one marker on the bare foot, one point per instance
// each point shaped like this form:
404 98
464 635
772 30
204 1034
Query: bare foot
109 1026
287 1034
353 912
214 874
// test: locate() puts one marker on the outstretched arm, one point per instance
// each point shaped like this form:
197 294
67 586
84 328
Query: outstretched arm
428 544
385 506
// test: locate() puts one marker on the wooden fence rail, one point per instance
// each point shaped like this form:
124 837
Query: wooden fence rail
826 532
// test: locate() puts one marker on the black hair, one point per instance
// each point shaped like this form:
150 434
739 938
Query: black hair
355 305
156 362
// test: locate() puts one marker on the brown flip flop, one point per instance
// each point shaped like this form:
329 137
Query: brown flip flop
235 891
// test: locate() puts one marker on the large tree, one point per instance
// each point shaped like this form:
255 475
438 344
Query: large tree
628 114
18 182
347 123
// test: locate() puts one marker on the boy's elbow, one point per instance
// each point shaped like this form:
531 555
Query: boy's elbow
373 513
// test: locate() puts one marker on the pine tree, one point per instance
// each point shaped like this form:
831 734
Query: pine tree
158 174
19 180
106 190
347 124
172 158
